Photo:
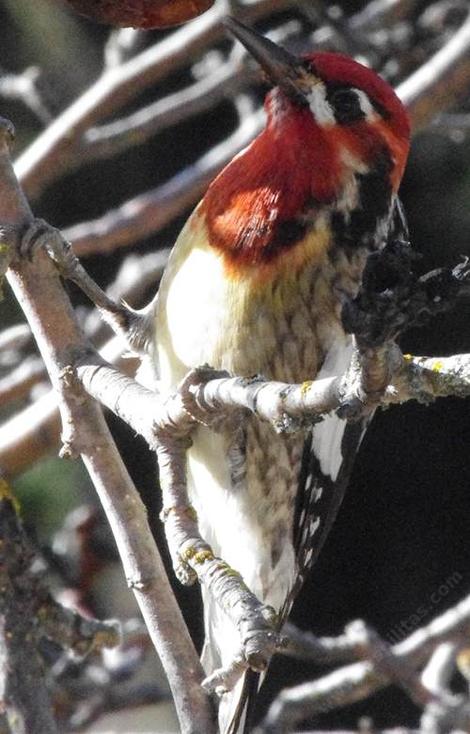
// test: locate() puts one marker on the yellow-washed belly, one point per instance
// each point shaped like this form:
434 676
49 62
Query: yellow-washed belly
277 322
243 480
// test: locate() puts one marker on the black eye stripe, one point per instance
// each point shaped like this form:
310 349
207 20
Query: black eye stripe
380 109
345 104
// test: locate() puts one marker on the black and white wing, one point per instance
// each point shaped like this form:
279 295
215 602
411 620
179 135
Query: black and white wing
328 458
329 453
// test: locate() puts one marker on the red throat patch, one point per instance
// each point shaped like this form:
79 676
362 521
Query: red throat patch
254 207
264 202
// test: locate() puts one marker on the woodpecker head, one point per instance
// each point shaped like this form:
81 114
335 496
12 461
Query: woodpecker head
337 139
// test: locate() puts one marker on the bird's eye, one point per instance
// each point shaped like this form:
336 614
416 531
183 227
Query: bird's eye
346 106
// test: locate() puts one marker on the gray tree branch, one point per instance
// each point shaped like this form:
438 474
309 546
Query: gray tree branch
51 318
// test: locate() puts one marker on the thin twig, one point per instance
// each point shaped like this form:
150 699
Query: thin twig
54 152
150 212
137 273
358 681
220 81
25 87
108 140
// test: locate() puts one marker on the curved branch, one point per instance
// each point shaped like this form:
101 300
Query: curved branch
50 315
355 682
55 150
150 212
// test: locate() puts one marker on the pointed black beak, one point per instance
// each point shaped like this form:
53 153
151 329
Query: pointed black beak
282 68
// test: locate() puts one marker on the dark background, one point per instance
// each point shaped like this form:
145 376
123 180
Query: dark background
400 544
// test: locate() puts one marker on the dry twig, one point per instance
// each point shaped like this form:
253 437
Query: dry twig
29 614
360 680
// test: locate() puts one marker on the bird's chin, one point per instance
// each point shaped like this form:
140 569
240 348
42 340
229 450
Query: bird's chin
280 104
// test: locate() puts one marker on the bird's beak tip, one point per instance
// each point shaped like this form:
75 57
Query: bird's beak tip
280 66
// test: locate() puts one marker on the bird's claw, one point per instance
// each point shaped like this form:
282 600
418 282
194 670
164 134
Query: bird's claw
223 680
40 235
184 573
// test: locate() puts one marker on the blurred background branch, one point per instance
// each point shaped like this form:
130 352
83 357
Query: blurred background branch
119 133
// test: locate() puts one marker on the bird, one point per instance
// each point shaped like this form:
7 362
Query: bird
255 285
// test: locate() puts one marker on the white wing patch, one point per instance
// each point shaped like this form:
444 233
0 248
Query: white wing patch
328 435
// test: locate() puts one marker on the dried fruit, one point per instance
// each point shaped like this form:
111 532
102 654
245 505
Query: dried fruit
141 13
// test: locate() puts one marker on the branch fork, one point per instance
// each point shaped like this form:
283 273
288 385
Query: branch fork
193 399
61 342
435 647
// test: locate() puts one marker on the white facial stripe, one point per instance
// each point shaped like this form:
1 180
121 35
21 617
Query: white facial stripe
321 108
365 104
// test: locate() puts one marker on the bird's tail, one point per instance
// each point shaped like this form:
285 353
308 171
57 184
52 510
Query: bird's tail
236 707
236 714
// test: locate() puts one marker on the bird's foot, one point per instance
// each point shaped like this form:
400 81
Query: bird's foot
40 235
224 679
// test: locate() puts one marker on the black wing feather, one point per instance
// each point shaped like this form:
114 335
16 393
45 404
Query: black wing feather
319 498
